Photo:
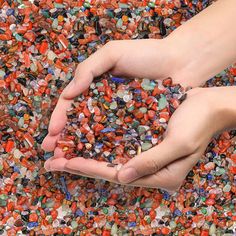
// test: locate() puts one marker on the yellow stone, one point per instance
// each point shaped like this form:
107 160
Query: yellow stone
60 18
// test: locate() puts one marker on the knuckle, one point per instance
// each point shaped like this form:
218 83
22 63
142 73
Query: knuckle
152 165
183 143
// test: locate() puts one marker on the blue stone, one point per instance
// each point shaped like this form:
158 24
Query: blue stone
177 212
32 224
107 130
10 12
81 58
99 145
16 169
137 91
166 195
132 224
209 177
148 137
50 71
117 80
79 213
84 140
68 196
47 155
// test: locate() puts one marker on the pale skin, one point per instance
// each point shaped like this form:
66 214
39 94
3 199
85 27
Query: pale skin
191 55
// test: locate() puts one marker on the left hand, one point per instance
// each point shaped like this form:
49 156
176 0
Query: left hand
166 165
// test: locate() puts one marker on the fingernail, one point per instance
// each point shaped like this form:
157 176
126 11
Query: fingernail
128 175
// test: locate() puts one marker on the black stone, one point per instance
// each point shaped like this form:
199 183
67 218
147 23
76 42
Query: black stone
31 77
41 136
162 27
6 136
22 81
98 28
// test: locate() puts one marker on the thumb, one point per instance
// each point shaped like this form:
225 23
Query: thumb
149 162
98 63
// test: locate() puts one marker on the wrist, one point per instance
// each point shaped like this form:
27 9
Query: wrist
223 101
189 57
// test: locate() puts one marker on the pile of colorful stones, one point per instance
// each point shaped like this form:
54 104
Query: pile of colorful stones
116 118
41 43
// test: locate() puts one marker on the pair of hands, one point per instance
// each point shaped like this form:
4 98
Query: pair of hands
189 131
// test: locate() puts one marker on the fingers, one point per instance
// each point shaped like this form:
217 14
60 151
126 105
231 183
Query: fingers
49 142
56 125
58 162
149 162
169 178
94 168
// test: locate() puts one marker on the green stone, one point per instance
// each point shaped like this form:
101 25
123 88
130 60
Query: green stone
143 110
37 98
95 91
22 6
220 171
11 112
74 224
135 124
58 5
2 73
203 199
3 203
105 210
1 167
212 229
151 4
45 14
148 220
227 188
114 229
147 87
131 108
18 37
113 105
110 14
119 23
138 199
172 225
146 146
120 93
99 84
142 129
55 23
3 197
204 211
123 5
162 103
74 11
41 198
49 203
87 5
